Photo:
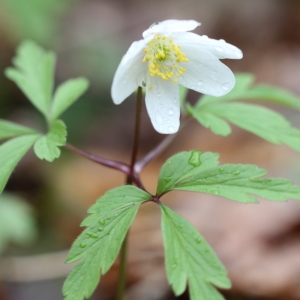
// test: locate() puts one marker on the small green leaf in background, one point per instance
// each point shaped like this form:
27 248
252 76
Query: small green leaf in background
190 259
17 223
243 183
11 152
34 74
215 113
66 94
9 129
259 120
46 147
244 90
99 244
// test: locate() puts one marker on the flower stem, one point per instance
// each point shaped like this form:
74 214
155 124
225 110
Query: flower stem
100 160
129 180
137 127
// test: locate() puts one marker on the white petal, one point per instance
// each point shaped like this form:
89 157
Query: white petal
206 74
219 48
170 26
130 73
163 105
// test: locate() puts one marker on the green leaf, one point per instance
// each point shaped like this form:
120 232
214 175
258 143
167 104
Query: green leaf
10 129
190 259
99 244
261 121
11 153
46 147
16 221
262 92
210 120
183 165
33 72
216 112
66 94
243 183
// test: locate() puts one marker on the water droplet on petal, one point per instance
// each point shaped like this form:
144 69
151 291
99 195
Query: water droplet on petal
221 170
171 111
226 86
158 118
195 160
154 24
219 49
171 129
200 82
181 226
214 76
198 240
82 245
100 229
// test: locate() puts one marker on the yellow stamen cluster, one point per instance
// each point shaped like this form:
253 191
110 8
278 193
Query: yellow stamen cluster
164 58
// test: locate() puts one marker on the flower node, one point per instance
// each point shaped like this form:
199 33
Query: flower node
164 58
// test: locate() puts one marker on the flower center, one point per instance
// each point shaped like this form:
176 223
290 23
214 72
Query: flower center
164 58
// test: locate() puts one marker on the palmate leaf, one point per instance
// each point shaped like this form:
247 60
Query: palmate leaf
9 129
215 113
98 245
47 147
11 153
34 74
200 172
190 259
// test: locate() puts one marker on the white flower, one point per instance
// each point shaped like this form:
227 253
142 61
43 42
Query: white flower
167 56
